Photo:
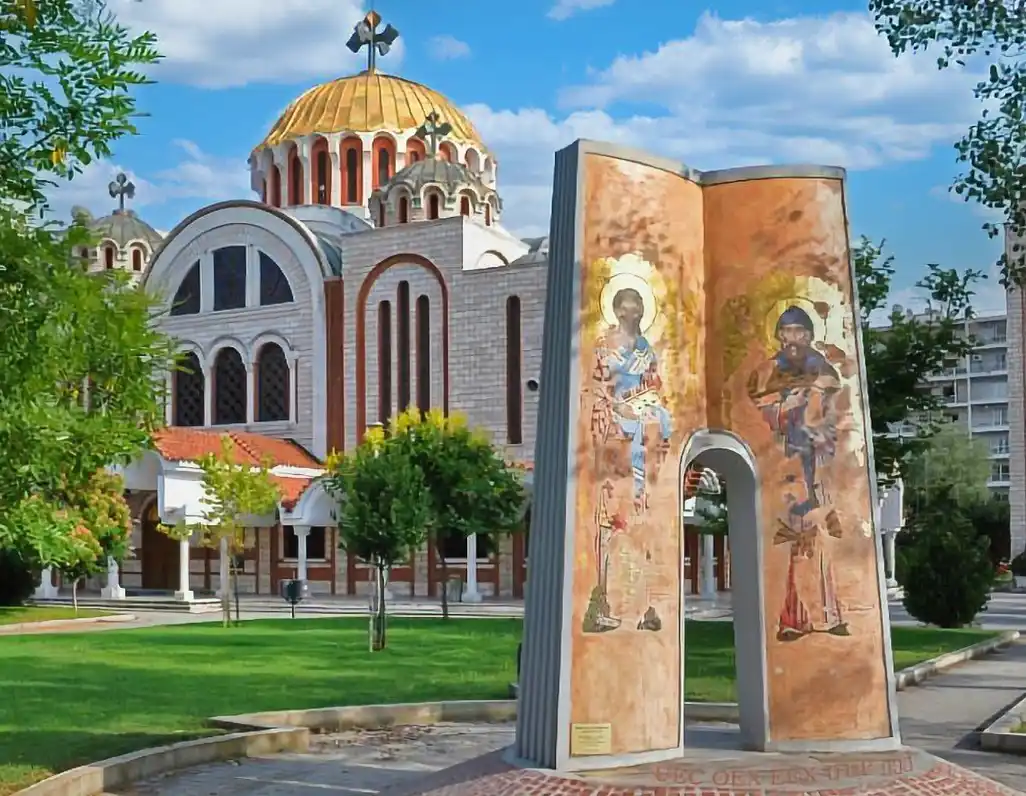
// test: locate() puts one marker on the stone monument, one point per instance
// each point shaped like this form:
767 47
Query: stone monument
703 319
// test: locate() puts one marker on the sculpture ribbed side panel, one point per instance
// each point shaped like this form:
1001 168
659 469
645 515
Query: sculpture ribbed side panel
543 621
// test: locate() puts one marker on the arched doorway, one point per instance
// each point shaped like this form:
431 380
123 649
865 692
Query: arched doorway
729 457
159 553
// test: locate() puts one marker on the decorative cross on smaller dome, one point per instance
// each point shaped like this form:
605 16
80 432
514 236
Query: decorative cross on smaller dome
432 130
121 188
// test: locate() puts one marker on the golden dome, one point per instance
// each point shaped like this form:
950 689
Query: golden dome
366 103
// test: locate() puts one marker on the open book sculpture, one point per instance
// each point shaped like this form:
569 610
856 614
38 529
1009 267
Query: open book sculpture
704 318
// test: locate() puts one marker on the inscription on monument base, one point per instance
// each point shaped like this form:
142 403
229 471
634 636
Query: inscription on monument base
591 739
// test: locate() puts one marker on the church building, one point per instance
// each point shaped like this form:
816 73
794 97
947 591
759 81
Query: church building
373 274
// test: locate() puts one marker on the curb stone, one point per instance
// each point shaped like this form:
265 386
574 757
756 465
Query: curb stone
1000 735
274 732
21 627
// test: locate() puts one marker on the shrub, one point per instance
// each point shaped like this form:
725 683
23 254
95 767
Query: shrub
1018 564
17 578
948 572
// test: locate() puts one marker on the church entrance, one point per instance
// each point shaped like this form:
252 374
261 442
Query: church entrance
159 554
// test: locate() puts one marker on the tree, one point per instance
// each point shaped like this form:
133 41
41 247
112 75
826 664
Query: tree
104 530
948 573
234 492
383 511
473 490
77 394
950 464
80 358
66 72
900 357
991 33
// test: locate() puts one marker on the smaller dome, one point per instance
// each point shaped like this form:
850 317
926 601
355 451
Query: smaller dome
123 227
450 177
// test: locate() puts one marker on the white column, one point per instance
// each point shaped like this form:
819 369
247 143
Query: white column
283 183
368 166
208 395
184 593
708 579
470 592
46 590
336 176
113 590
889 537
308 167
302 534
251 396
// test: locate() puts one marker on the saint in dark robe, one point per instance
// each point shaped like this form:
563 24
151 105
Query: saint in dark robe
795 391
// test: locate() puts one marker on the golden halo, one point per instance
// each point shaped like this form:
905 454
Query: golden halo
779 307
624 281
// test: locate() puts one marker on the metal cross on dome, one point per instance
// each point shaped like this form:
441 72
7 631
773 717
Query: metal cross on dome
365 34
121 188
432 130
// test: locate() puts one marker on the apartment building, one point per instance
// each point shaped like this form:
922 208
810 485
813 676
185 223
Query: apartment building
975 394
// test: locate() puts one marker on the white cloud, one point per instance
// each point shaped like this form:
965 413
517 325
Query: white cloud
447 48
234 42
564 9
197 176
810 89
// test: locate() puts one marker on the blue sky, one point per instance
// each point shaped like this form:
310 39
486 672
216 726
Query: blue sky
745 83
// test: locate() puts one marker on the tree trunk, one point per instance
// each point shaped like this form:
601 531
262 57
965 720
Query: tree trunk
445 580
74 595
378 634
224 578
235 589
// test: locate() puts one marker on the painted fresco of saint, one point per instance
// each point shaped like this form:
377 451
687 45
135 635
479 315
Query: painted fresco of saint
629 387
795 390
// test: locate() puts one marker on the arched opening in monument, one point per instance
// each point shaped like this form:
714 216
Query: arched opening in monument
730 460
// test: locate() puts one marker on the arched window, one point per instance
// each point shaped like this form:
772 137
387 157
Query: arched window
229 278
352 176
187 392
514 389
381 214
229 388
384 362
384 165
404 210
274 200
187 298
402 326
295 180
413 157
488 214
433 206
323 186
273 384
137 258
423 353
274 287
465 206
108 257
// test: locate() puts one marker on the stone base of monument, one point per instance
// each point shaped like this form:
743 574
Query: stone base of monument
713 766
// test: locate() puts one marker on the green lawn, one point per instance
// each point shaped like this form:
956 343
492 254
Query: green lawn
16 615
72 698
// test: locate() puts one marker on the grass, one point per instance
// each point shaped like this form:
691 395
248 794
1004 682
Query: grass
73 698
16 615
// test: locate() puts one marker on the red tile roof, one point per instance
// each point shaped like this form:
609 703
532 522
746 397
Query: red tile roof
291 489
189 444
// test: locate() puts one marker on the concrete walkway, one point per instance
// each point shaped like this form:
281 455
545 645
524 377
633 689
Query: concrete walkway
943 715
